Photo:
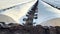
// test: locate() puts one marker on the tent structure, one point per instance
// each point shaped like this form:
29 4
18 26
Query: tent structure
48 15
13 10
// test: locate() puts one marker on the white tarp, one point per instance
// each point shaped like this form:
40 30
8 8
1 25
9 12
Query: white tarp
46 13
9 3
56 3
16 13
